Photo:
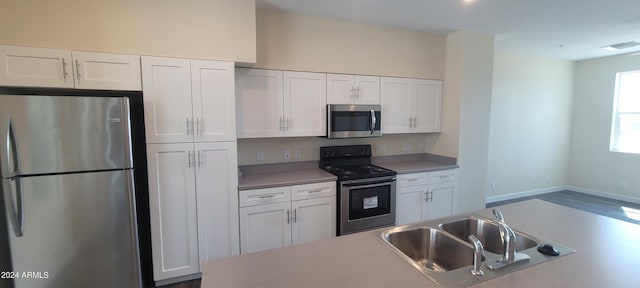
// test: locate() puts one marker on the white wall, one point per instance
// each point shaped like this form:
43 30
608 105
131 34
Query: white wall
296 42
530 124
200 29
592 166
469 72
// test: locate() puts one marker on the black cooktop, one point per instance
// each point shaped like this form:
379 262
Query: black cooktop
351 162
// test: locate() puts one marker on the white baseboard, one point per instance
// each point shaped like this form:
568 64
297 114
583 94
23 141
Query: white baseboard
505 197
604 194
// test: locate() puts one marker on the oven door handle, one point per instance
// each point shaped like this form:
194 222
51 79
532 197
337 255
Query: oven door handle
370 184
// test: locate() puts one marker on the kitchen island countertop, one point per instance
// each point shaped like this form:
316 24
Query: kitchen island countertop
607 255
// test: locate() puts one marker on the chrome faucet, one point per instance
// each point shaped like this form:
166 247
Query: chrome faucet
478 252
508 238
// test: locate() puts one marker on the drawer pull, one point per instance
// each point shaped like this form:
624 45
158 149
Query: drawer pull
414 179
315 191
266 196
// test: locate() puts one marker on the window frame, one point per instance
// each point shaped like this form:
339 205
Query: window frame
614 144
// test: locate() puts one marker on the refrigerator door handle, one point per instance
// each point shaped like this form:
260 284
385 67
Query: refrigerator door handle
13 161
17 217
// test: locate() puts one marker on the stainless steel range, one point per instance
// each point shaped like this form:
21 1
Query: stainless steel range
366 192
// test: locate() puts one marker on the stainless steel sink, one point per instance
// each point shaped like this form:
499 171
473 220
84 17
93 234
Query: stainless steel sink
487 232
439 249
431 248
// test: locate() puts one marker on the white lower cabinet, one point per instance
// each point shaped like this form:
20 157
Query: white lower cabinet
282 216
193 205
427 195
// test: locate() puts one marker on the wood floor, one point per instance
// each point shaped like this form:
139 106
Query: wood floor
594 204
621 210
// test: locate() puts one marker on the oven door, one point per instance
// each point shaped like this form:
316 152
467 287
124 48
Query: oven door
367 203
349 121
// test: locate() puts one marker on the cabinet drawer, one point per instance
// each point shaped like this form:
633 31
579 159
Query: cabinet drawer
415 179
265 196
315 190
443 176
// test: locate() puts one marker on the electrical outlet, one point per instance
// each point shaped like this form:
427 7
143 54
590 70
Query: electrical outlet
534 179
380 148
421 147
298 154
260 156
287 153
493 185
407 147
622 184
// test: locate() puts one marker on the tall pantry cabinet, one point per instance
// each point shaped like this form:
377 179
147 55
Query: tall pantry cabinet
191 147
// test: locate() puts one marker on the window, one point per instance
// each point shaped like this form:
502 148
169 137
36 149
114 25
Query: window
625 129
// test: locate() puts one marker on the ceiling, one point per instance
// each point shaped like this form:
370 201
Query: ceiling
562 29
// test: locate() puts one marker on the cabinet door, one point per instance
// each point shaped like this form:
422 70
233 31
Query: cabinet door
214 102
313 219
410 204
428 106
259 100
441 200
217 194
265 227
305 104
172 205
340 89
396 98
106 71
367 89
166 83
35 67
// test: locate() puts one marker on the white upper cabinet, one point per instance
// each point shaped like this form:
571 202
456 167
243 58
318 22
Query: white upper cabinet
353 89
106 71
410 105
428 106
40 67
259 100
213 96
166 83
188 100
274 103
35 67
305 106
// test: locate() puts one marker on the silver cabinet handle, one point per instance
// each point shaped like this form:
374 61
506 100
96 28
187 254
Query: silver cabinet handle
78 70
200 159
189 163
188 125
430 199
198 126
281 124
288 216
414 179
315 191
286 124
295 215
64 70
266 196
13 161
358 92
351 94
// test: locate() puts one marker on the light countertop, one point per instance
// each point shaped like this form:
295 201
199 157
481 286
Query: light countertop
607 255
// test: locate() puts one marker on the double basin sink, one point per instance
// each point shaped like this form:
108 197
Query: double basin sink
441 251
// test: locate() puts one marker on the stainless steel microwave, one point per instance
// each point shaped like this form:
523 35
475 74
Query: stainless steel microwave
351 121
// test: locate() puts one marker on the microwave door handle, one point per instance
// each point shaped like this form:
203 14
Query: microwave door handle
372 125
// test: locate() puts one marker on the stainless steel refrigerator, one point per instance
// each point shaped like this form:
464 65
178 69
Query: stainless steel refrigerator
68 192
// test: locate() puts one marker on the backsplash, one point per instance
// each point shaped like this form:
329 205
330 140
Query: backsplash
308 148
